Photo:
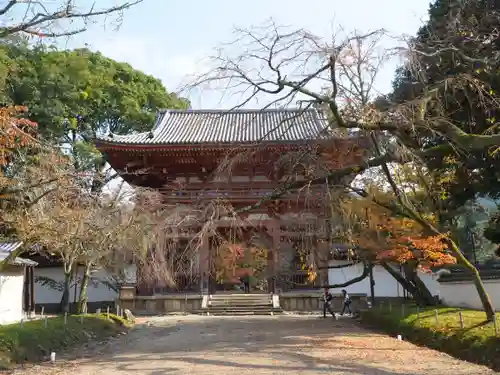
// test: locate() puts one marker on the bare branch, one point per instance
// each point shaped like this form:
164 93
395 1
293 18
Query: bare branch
41 20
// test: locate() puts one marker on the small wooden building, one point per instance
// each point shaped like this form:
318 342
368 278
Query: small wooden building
16 284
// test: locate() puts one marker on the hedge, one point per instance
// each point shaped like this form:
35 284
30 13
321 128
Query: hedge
33 341
440 328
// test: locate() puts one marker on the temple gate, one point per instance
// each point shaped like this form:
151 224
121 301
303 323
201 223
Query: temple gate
239 158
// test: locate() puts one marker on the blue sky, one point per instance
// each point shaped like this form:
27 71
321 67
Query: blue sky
167 38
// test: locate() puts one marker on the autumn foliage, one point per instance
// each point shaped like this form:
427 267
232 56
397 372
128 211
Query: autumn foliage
406 242
342 153
385 237
235 260
15 132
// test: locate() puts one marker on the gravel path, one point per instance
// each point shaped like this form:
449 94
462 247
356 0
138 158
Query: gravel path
255 345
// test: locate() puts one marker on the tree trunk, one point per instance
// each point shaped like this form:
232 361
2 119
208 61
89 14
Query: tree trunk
420 287
481 291
65 296
372 285
467 141
83 297
409 286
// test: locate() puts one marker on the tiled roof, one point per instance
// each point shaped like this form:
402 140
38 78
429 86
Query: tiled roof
18 261
236 126
6 250
9 247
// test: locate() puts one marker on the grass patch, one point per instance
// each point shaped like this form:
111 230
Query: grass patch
475 342
33 341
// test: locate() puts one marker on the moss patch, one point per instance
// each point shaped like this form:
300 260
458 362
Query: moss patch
475 342
33 342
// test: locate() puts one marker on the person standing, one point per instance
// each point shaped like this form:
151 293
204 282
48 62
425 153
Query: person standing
347 302
327 300
245 279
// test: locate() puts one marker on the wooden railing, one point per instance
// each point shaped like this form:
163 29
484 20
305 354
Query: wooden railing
183 284
296 280
250 194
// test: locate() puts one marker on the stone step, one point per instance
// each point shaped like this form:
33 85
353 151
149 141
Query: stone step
238 298
240 308
262 306
218 295
239 303
267 300
243 311
241 300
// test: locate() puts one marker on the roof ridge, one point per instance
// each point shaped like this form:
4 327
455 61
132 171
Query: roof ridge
181 126
236 110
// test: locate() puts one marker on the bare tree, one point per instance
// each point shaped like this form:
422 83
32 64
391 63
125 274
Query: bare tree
290 66
55 18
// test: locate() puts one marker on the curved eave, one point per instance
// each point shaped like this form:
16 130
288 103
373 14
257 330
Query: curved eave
107 145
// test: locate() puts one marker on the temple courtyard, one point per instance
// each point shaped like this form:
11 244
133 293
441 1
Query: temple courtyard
287 344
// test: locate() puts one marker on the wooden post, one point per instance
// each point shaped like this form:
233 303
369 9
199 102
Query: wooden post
204 265
273 257
43 309
65 318
107 312
436 316
32 289
461 317
26 290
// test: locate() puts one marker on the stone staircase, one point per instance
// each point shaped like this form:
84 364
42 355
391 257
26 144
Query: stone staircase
241 304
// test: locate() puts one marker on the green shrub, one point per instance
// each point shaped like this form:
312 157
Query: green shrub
32 341
475 342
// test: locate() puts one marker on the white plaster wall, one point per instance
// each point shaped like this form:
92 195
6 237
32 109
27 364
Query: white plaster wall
11 296
464 294
96 292
385 284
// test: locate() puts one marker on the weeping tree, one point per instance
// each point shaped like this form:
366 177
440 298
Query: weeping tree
56 222
126 227
286 66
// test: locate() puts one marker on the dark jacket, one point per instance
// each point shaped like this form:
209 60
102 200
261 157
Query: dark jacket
328 297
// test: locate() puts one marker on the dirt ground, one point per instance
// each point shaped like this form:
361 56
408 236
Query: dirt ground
254 345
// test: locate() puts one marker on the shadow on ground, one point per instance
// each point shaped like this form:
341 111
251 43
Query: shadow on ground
268 345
